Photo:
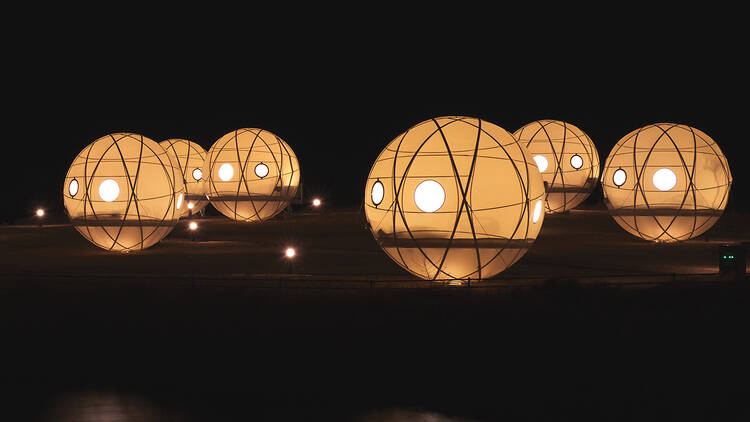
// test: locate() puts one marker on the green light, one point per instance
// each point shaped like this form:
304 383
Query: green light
731 256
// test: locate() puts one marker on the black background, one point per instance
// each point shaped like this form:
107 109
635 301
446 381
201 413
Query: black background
338 90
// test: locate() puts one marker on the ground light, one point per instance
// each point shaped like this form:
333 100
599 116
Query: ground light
40 215
193 226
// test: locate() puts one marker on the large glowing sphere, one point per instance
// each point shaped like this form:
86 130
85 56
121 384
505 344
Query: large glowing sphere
190 158
252 174
567 159
123 192
666 182
454 198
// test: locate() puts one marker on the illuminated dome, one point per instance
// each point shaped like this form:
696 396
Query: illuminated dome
252 174
190 158
567 159
123 193
454 198
666 182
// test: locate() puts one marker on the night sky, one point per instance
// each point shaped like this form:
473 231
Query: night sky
339 101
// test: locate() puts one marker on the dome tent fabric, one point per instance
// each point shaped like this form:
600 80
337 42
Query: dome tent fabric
454 198
567 159
666 182
252 174
190 158
123 193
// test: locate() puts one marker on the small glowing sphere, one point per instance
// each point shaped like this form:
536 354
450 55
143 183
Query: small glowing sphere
190 159
193 225
316 202
666 182
454 198
290 252
251 174
190 205
122 192
40 212
567 159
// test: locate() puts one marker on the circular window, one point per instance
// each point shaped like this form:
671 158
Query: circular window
109 190
664 179
261 170
226 171
537 211
179 201
197 174
377 193
73 187
541 162
576 161
429 196
619 177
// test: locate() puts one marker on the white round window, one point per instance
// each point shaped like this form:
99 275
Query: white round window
226 171
377 193
664 179
576 161
619 177
197 174
109 190
73 187
261 170
429 196
541 162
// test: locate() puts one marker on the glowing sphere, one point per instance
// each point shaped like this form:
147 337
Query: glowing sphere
190 158
123 192
666 182
252 174
454 198
567 159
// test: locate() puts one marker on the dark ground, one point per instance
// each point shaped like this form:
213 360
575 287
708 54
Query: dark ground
588 325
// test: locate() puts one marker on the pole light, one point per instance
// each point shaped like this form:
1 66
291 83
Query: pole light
316 202
290 253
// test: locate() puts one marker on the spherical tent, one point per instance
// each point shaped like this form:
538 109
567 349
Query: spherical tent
252 174
123 193
666 182
454 198
567 159
190 158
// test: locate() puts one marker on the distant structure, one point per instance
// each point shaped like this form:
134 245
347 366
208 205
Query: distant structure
252 174
567 159
123 193
666 182
190 158
454 198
